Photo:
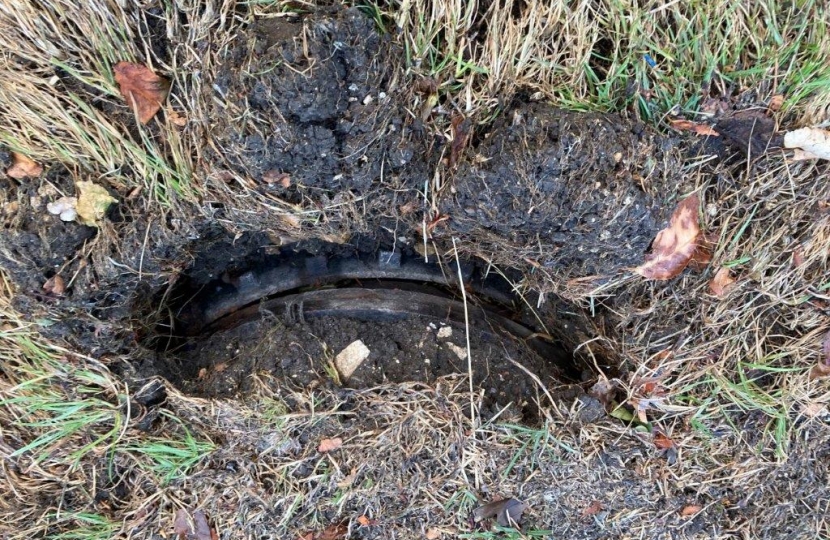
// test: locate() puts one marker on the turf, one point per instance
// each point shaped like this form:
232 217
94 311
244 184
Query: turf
79 460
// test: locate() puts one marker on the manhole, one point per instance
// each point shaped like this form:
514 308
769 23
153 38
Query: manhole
285 319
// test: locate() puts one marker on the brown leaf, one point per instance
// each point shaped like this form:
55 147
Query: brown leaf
433 534
593 509
329 445
798 257
203 530
460 131
694 127
776 102
335 531
143 90
55 285
674 246
181 524
662 441
274 176
23 167
175 118
506 511
690 510
185 531
722 282
365 522
703 254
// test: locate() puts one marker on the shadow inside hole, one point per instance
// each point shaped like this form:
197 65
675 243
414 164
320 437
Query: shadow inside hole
284 320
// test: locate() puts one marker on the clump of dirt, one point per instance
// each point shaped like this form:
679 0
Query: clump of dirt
576 194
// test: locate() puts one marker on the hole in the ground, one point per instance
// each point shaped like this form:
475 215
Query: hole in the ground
283 318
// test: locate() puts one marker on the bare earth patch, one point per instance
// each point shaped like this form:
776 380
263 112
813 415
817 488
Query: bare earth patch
690 406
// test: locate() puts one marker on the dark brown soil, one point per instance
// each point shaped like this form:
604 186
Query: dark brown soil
547 194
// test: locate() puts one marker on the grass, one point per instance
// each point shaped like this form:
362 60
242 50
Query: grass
739 364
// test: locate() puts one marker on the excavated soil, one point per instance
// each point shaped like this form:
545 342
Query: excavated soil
328 147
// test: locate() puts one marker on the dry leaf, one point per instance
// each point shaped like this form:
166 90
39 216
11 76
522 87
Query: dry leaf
776 102
143 90
335 531
662 441
23 167
722 282
433 534
593 509
55 285
812 141
364 521
822 368
65 207
93 203
507 512
175 118
185 531
275 177
674 246
330 445
690 510
698 129
798 257
220 367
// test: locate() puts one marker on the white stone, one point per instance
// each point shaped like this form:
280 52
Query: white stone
350 358
444 332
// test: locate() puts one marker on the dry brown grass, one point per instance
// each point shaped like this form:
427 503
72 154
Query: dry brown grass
750 426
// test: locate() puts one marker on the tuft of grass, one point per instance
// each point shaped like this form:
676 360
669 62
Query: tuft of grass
652 57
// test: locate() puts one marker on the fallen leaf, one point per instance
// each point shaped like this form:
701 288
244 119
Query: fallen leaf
330 445
364 521
220 367
604 390
722 282
176 119
65 208
798 257
776 102
198 530
335 531
23 167
507 511
181 524
662 441
93 203
55 285
275 177
698 129
674 246
703 253
593 509
814 141
822 368
141 88
690 510
433 534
